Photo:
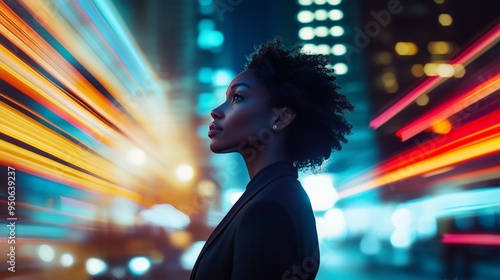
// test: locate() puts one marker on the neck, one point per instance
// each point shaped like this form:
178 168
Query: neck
264 155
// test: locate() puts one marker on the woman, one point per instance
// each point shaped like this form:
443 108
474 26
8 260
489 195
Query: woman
283 113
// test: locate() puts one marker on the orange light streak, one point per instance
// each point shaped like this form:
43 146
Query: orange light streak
469 133
69 38
27 40
27 80
478 129
467 152
144 133
473 176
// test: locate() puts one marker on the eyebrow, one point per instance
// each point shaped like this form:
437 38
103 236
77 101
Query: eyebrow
240 84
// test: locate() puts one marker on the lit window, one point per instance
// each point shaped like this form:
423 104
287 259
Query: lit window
406 48
205 2
445 70
389 79
305 16
309 48
430 69
335 14
321 31
339 49
337 31
321 14
305 2
439 47
222 77
206 24
205 74
340 68
334 2
417 70
323 49
445 19
459 70
208 39
306 33
422 100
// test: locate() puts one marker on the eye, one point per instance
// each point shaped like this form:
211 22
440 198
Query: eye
236 97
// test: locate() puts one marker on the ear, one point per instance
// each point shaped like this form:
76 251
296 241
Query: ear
282 118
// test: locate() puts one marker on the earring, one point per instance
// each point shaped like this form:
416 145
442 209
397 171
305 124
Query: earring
275 126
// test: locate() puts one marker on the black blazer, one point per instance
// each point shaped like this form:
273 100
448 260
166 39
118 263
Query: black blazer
269 233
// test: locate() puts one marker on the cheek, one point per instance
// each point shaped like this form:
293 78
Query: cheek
248 120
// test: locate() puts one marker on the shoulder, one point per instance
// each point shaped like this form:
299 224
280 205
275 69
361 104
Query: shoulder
284 197
285 190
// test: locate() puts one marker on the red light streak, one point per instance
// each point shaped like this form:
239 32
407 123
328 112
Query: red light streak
475 139
467 56
472 239
451 107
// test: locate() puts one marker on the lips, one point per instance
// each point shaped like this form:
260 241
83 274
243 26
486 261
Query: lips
214 130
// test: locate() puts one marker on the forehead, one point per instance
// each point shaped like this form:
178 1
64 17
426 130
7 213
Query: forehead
248 78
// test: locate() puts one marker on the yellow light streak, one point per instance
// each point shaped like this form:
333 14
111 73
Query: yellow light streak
38 165
27 40
17 73
85 107
144 132
79 48
20 127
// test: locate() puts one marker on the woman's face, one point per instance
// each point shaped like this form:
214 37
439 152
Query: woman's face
246 111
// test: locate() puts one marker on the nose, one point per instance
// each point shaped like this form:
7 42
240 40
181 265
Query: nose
216 114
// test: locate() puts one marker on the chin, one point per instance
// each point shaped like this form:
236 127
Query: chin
221 149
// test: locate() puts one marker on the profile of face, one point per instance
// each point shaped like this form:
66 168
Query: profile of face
246 111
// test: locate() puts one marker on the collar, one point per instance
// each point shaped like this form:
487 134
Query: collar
272 172
264 177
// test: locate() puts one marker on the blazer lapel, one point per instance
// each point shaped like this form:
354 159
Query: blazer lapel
269 175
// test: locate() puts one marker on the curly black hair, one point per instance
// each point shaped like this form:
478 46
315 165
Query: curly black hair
306 84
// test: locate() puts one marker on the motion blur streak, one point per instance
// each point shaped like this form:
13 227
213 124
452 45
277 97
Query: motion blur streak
81 122
475 139
44 167
475 239
483 127
487 41
473 176
467 152
78 47
29 131
451 107
27 80
27 40
97 54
